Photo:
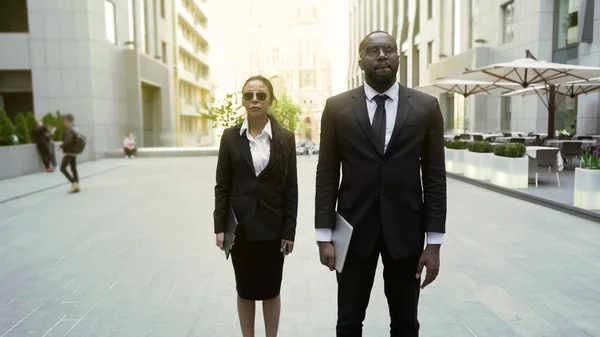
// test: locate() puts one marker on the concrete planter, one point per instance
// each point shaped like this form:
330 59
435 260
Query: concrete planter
19 160
478 165
510 172
587 189
455 161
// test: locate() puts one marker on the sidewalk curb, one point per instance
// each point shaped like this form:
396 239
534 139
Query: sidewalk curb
58 185
572 210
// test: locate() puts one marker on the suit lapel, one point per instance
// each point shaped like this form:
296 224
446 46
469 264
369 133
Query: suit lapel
243 145
404 108
359 106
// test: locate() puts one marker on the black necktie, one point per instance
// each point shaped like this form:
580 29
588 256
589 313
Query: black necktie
379 122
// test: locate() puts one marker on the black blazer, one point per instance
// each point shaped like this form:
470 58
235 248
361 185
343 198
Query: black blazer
383 192
266 206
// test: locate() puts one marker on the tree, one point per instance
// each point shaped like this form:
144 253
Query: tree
21 129
225 114
287 112
7 129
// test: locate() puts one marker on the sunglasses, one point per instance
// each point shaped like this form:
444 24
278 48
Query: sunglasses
260 96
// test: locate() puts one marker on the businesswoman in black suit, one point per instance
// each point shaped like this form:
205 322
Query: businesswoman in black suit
257 176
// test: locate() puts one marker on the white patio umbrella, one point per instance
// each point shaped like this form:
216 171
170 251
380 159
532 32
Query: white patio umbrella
467 88
528 71
566 89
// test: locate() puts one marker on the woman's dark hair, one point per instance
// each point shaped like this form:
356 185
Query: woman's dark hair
264 81
278 130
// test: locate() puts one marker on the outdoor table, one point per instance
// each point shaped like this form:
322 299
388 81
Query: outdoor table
532 152
559 143
528 139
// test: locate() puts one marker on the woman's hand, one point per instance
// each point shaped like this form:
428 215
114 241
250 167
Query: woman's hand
289 248
220 238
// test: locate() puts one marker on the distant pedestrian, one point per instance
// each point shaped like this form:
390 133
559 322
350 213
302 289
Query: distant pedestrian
257 178
73 144
129 146
42 136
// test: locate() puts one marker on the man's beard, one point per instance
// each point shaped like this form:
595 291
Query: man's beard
382 79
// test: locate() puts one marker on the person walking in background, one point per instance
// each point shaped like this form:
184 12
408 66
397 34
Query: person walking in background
389 141
257 177
129 146
73 144
42 135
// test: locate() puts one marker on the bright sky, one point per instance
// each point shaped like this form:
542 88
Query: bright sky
336 34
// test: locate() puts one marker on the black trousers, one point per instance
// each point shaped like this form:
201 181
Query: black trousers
44 151
401 289
130 152
69 160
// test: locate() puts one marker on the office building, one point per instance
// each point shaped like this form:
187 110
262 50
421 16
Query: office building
192 73
442 38
107 62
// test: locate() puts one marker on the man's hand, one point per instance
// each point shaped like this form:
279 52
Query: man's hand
430 258
327 255
290 246
220 239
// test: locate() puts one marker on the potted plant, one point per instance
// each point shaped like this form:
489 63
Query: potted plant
510 166
587 179
455 156
562 134
478 160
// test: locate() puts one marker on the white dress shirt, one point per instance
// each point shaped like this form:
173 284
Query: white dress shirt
260 147
391 110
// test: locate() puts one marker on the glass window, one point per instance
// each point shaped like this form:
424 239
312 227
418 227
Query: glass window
566 27
429 9
508 17
429 53
456 26
131 21
109 20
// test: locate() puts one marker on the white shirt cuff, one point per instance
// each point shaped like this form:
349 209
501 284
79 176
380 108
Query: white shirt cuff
323 234
435 238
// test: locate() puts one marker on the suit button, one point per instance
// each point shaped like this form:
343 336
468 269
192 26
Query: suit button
383 191
382 164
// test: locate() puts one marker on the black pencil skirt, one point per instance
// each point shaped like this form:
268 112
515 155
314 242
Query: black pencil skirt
258 268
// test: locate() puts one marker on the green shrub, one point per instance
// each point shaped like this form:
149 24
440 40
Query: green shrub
480 147
21 129
55 120
456 145
31 121
7 129
513 150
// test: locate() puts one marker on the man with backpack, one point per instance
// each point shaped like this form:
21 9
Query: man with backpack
73 144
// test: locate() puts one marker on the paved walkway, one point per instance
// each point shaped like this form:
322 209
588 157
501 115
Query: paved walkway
133 255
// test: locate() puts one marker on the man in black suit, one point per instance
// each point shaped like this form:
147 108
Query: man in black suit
389 142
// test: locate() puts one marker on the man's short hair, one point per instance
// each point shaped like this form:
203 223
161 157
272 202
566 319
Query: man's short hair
69 117
360 46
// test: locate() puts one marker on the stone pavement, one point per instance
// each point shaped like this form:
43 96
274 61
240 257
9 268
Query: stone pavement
134 255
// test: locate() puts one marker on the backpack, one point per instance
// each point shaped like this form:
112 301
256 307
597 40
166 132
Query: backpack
79 143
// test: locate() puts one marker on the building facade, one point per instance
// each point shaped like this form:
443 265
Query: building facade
441 38
111 63
192 72
287 48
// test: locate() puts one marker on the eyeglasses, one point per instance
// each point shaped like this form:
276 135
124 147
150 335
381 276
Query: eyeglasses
260 96
376 50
